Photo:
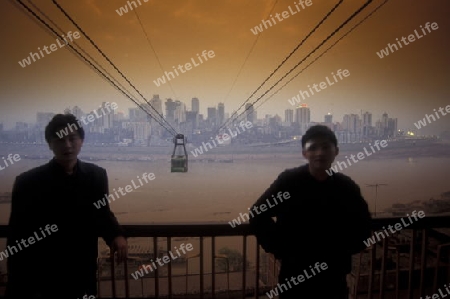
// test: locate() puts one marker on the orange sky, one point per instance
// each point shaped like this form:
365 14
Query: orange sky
406 84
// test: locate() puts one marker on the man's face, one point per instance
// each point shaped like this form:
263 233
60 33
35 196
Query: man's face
320 153
66 148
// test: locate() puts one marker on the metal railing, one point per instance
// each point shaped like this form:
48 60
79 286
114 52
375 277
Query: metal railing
410 263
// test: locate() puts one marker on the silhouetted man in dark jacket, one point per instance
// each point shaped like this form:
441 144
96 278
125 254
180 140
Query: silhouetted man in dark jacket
321 221
54 225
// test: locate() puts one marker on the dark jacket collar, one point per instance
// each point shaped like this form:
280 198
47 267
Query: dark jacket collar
58 168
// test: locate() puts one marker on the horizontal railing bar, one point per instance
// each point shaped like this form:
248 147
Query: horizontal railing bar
222 229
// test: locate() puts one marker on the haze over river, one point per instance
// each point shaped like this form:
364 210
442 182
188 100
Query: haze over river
218 192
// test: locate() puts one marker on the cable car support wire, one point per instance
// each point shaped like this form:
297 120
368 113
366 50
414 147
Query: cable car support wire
306 57
173 131
324 52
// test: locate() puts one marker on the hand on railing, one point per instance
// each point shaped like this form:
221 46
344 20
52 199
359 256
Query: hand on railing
119 245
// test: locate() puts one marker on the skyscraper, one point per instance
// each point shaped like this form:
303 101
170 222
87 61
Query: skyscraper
352 125
367 124
156 102
220 114
108 118
156 128
77 112
303 117
195 105
250 112
289 116
328 118
212 117
180 112
171 106
137 114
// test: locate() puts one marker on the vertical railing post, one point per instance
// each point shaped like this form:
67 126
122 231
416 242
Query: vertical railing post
423 262
373 258
113 275
99 272
127 284
383 267
411 264
201 268
169 269
244 266
213 267
155 256
257 272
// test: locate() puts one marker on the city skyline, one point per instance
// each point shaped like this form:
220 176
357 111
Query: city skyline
105 117
126 114
409 81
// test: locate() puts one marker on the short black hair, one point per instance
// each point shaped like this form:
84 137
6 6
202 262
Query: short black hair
66 123
319 131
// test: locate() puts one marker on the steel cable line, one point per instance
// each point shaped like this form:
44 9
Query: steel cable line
49 28
248 55
153 49
80 48
282 62
329 48
310 53
174 132
86 60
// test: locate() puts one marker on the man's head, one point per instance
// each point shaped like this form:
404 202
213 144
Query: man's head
319 147
65 137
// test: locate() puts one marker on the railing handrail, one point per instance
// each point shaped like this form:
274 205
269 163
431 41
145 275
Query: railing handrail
224 229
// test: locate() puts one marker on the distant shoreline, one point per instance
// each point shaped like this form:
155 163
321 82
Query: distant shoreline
229 153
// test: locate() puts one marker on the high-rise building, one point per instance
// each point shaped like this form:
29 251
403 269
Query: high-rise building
220 114
352 126
156 102
180 112
77 112
191 122
42 119
367 124
212 116
392 127
108 118
303 117
137 114
384 120
195 105
328 118
289 116
250 113
351 123
171 106
156 120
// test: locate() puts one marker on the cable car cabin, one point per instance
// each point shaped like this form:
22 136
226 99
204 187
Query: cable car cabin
179 161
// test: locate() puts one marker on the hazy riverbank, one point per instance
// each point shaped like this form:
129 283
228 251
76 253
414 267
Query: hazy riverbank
114 153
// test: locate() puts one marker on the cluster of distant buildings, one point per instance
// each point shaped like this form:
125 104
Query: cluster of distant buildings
140 128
